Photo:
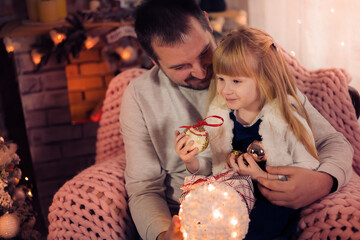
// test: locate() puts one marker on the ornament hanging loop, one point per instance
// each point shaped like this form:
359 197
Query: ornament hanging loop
204 123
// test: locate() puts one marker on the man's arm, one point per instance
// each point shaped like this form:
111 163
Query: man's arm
306 186
335 151
143 174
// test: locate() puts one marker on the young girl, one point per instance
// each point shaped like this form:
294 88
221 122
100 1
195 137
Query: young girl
255 93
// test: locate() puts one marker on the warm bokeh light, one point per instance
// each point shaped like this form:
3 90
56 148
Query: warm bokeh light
218 24
36 56
57 37
29 193
9 45
234 221
241 18
10 49
128 54
90 42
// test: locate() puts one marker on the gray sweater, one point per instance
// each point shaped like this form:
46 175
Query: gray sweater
153 107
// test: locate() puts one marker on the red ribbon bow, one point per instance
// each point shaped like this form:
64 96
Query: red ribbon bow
204 123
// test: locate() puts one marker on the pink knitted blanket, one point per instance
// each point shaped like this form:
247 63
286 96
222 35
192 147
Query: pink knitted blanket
109 142
327 90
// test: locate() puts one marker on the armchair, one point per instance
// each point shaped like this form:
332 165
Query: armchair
93 205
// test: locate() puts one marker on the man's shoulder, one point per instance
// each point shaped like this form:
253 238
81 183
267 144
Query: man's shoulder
148 87
146 79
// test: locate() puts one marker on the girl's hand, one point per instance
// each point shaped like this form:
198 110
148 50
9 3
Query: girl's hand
231 161
251 168
183 150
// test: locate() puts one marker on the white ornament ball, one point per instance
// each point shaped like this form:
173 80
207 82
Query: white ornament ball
9 225
19 195
214 212
200 137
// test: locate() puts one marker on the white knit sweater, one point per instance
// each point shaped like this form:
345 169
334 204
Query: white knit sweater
281 146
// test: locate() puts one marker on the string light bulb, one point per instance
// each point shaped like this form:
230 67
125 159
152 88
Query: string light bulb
90 42
57 37
29 193
10 49
10 45
36 56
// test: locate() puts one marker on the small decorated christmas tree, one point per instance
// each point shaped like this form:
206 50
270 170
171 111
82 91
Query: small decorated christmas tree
17 218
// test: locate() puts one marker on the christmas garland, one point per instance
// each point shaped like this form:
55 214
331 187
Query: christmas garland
17 217
73 38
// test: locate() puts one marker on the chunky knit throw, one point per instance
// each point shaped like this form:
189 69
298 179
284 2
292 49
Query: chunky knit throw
93 204
327 90
336 216
109 140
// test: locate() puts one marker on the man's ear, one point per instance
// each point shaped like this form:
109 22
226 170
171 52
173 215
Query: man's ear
153 61
208 21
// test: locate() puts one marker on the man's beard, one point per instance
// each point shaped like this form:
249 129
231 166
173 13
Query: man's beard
205 81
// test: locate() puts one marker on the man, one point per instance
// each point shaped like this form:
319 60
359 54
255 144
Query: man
178 38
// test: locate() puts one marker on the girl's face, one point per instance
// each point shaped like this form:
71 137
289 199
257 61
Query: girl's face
240 93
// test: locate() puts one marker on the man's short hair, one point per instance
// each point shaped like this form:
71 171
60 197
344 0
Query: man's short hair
165 21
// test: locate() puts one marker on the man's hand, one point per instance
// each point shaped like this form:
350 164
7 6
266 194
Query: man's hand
174 232
302 188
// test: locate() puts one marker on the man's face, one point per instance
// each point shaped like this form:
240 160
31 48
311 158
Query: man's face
189 63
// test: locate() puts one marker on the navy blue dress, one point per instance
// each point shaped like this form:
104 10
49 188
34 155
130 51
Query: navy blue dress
267 221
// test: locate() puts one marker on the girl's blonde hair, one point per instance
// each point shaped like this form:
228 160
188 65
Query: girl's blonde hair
250 52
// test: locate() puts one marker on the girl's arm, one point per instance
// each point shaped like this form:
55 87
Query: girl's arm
191 162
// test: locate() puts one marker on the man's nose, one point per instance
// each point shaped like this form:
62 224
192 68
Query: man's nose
199 70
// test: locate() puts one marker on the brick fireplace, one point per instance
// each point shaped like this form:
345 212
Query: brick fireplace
57 102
